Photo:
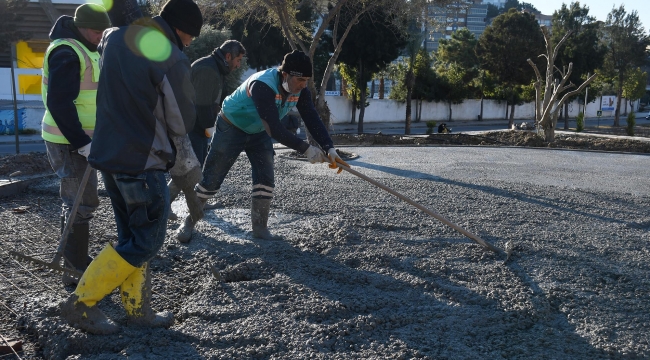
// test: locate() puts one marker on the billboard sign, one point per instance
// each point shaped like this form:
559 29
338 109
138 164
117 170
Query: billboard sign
608 103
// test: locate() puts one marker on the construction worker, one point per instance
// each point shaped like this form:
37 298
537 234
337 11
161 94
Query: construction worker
249 119
208 78
145 96
69 89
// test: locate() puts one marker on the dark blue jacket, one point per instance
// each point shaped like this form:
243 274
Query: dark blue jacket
145 96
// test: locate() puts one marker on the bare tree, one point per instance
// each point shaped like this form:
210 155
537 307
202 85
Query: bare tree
547 109
332 14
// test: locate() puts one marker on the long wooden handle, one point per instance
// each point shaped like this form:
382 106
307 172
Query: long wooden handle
476 239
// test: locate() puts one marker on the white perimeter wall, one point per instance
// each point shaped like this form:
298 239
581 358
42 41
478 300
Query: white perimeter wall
392 110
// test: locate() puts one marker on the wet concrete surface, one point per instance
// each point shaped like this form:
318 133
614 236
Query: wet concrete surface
360 274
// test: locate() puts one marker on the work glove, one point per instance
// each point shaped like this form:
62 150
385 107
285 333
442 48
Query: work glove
84 150
210 131
334 158
315 155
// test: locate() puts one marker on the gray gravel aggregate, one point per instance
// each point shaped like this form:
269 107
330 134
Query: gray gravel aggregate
360 274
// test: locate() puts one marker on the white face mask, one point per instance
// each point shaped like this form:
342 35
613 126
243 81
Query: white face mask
285 86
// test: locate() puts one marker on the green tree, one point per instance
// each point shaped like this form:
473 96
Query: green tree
282 13
265 45
414 41
457 66
9 17
634 86
582 48
369 54
626 41
425 81
504 48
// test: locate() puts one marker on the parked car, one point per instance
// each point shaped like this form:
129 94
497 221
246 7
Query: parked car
648 116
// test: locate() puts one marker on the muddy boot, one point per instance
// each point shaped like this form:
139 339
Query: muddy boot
212 205
174 191
103 275
136 298
184 232
76 252
259 217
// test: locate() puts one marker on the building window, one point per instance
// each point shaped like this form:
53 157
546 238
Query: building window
476 19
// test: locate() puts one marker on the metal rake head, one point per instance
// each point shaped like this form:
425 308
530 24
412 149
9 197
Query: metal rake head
50 265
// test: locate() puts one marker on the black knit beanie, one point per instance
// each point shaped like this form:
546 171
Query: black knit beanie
296 63
183 15
91 16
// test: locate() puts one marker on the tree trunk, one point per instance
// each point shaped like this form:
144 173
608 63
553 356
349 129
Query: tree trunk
372 89
381 88
625 113
354 111
566 116
619 94
480 118
419 111
511 122
450 114
506 111
409 94
362 98
549 134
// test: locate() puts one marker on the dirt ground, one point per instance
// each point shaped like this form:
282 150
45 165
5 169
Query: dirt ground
361 275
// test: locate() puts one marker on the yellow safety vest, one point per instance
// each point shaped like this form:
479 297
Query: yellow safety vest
85 102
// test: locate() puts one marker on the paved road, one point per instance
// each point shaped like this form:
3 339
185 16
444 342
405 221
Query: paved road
29 143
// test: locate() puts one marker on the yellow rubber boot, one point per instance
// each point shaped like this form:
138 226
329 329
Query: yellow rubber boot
136 297
105 273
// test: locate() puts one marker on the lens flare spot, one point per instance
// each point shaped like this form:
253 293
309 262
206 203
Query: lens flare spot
154 45
107 4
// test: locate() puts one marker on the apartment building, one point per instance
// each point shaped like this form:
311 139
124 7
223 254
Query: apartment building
457 15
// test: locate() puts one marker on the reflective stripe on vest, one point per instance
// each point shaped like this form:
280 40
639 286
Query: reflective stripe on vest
85 102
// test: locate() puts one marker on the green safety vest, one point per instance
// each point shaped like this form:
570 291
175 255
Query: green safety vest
240 110
85 102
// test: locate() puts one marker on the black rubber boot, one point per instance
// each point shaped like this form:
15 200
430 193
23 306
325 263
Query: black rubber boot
76 252
260 209
136 298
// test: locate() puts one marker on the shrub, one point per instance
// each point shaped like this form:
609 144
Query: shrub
431 125
631 122
580 122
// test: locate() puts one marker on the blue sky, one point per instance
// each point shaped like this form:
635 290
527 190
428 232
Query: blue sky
599 8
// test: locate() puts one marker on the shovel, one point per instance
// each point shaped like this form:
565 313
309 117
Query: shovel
55 264
475 238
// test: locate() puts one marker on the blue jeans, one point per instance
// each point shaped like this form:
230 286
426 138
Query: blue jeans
70 167
140 203
227 143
